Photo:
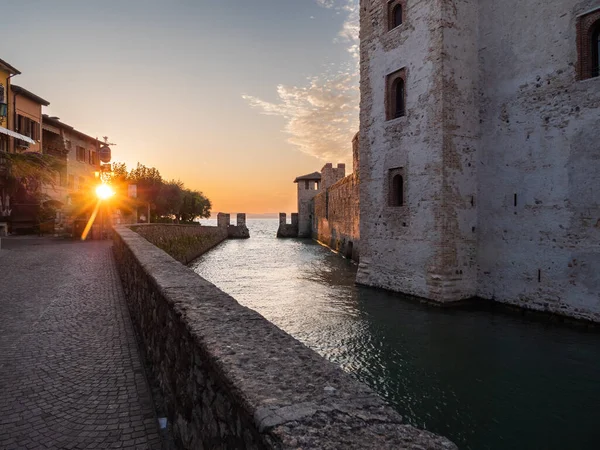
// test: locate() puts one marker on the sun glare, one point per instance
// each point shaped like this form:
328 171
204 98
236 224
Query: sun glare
104 191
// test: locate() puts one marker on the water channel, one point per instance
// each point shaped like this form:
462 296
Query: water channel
486 380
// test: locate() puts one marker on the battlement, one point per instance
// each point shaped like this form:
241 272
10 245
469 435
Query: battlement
238 231
287 230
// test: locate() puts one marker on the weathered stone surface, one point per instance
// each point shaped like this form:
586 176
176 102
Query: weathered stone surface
183 242
231 379
287 230
498 150
237 231
336 217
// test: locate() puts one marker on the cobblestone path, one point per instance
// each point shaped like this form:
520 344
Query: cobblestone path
70 372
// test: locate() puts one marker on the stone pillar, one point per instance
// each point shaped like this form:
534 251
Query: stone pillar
295 219
282 218
223 220
241 220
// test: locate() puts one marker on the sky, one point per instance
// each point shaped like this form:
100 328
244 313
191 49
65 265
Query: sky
234 98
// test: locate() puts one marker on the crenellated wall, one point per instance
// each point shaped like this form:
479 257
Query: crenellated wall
237 231
231 379
287 230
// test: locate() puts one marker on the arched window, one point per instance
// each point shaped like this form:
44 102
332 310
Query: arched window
397 16
595 43
397 197
398 97
588 45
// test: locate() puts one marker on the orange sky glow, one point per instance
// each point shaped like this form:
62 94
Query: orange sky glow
233 99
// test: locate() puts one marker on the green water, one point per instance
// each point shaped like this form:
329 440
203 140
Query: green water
485 380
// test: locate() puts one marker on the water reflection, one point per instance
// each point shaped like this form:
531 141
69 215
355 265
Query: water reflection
485 380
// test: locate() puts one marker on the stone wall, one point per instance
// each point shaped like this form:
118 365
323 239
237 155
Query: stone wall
183 242
231 379
305 213
400 244
539 183
237 231
336 217
498 151
287 230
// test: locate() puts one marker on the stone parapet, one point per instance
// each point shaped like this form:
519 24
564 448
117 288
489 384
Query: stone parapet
237 231
285 229
231 379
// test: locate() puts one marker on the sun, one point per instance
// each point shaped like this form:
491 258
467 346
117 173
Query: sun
104 192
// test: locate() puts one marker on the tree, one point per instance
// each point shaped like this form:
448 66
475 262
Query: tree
195 205
170 199
149 182
23 177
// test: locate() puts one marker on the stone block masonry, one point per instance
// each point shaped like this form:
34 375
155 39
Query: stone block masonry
336 217
231 379
237 231
487 184
287 230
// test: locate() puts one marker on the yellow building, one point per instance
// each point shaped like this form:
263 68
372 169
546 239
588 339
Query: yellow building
7 133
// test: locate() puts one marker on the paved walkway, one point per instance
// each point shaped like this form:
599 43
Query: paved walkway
70 372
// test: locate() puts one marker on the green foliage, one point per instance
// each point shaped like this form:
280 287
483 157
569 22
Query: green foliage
29 171
195 205
169 200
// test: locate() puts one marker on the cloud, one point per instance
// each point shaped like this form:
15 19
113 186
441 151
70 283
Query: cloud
322 114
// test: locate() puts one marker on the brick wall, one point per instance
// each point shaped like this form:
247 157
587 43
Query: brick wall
336 217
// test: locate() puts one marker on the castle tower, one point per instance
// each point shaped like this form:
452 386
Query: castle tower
308 186
418 147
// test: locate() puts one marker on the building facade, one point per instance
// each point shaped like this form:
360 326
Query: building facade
480 152
80 152
27 118
9 140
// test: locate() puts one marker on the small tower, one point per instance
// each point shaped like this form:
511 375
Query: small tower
308 186
419 128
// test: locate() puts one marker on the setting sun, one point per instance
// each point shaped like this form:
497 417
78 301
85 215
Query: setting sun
104 191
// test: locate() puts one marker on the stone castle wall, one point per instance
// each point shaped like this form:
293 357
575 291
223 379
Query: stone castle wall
498 150
539 161
305 212
336 217
401 246
231 379
287 230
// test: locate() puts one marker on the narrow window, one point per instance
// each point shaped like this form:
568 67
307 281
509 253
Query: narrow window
398 90
306 184
595 49
397 16
397 197
396 95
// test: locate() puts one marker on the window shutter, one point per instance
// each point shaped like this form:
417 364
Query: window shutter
2 93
